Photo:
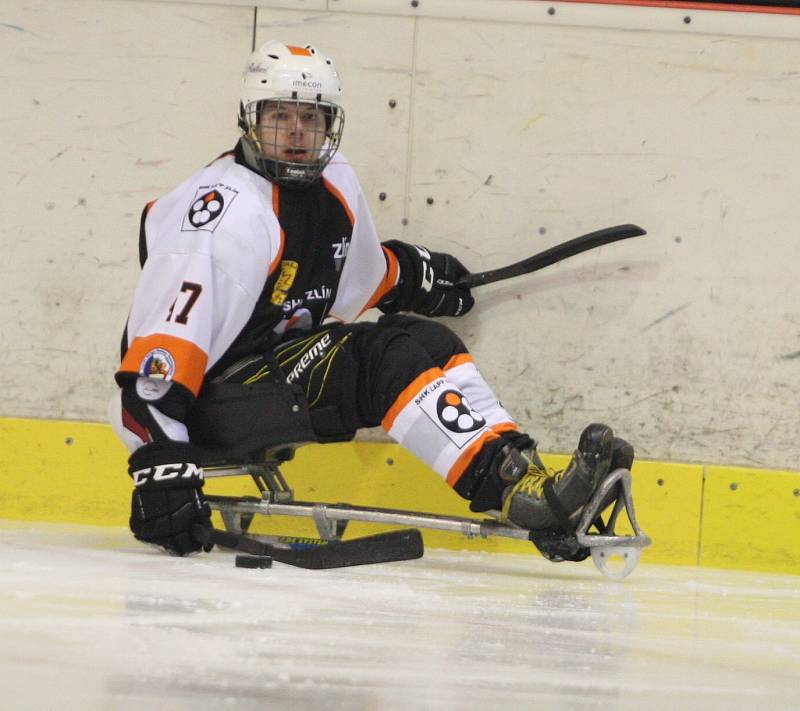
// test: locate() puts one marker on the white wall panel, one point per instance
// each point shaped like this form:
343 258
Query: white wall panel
523 128
106 105
589 14
686 339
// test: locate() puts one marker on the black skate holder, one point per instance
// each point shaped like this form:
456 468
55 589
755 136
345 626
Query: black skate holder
277 499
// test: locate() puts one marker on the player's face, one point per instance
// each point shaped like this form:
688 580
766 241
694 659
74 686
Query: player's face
291 131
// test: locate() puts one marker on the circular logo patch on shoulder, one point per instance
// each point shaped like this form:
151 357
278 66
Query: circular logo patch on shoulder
206 208
159 364
456 414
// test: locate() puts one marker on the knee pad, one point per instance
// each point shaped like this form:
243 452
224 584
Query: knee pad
388 359
437 339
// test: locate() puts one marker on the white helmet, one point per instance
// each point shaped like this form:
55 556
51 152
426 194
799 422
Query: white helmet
289 79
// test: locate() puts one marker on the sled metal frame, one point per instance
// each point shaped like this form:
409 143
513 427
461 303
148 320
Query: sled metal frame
277 499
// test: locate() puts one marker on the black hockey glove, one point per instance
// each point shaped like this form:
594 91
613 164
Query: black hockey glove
168 499
427 283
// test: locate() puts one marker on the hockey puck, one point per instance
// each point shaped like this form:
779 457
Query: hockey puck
253 561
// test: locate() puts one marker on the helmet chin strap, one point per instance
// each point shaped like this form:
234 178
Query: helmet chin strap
276 171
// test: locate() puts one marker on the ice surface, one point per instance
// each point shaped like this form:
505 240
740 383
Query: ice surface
90 619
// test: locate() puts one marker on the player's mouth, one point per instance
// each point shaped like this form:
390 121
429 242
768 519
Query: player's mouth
297 154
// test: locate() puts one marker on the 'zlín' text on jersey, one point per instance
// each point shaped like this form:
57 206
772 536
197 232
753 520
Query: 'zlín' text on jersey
231 261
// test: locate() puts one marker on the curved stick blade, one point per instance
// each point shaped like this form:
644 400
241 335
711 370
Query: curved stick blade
559 252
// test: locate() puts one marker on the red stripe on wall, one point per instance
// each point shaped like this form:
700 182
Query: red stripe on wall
718 7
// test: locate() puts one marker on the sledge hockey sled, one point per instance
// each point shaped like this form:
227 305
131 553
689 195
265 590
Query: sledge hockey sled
240 443
277 499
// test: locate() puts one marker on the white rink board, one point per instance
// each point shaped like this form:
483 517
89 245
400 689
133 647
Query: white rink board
106 105
686 341
91 620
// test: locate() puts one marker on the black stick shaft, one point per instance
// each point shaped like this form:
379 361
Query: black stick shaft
379 548
553 255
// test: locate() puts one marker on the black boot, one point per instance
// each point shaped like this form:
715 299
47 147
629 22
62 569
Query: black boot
500 463
621 458
525 503
621 454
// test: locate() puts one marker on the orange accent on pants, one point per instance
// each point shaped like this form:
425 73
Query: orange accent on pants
408 394
458 359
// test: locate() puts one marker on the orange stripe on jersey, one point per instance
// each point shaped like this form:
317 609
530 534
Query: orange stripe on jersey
458 359
298 51
167 357
276 209
410 392
335 192
389 279
461 464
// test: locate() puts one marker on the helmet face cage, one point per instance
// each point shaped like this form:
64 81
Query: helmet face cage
290 140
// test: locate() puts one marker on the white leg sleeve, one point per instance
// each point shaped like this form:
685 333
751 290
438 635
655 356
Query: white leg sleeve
462 372
434 419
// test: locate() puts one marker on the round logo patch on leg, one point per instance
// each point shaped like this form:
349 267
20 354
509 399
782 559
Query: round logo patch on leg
455 413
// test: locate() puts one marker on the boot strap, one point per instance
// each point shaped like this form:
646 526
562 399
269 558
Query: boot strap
559 512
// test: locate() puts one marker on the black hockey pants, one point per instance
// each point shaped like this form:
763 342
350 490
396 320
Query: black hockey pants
349 376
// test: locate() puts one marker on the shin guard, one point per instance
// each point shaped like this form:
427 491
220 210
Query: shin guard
433 419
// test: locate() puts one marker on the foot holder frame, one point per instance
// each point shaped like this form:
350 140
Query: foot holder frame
277 499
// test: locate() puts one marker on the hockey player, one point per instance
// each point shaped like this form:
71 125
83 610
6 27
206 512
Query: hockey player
256 268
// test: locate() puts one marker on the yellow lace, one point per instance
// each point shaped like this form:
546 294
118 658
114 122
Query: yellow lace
531 483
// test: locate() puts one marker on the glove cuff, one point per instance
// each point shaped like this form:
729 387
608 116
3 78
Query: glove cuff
166 465
401 298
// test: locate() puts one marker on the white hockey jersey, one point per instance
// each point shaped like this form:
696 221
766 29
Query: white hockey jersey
219 257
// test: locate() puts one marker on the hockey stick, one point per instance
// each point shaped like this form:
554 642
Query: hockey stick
552 255
380 548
